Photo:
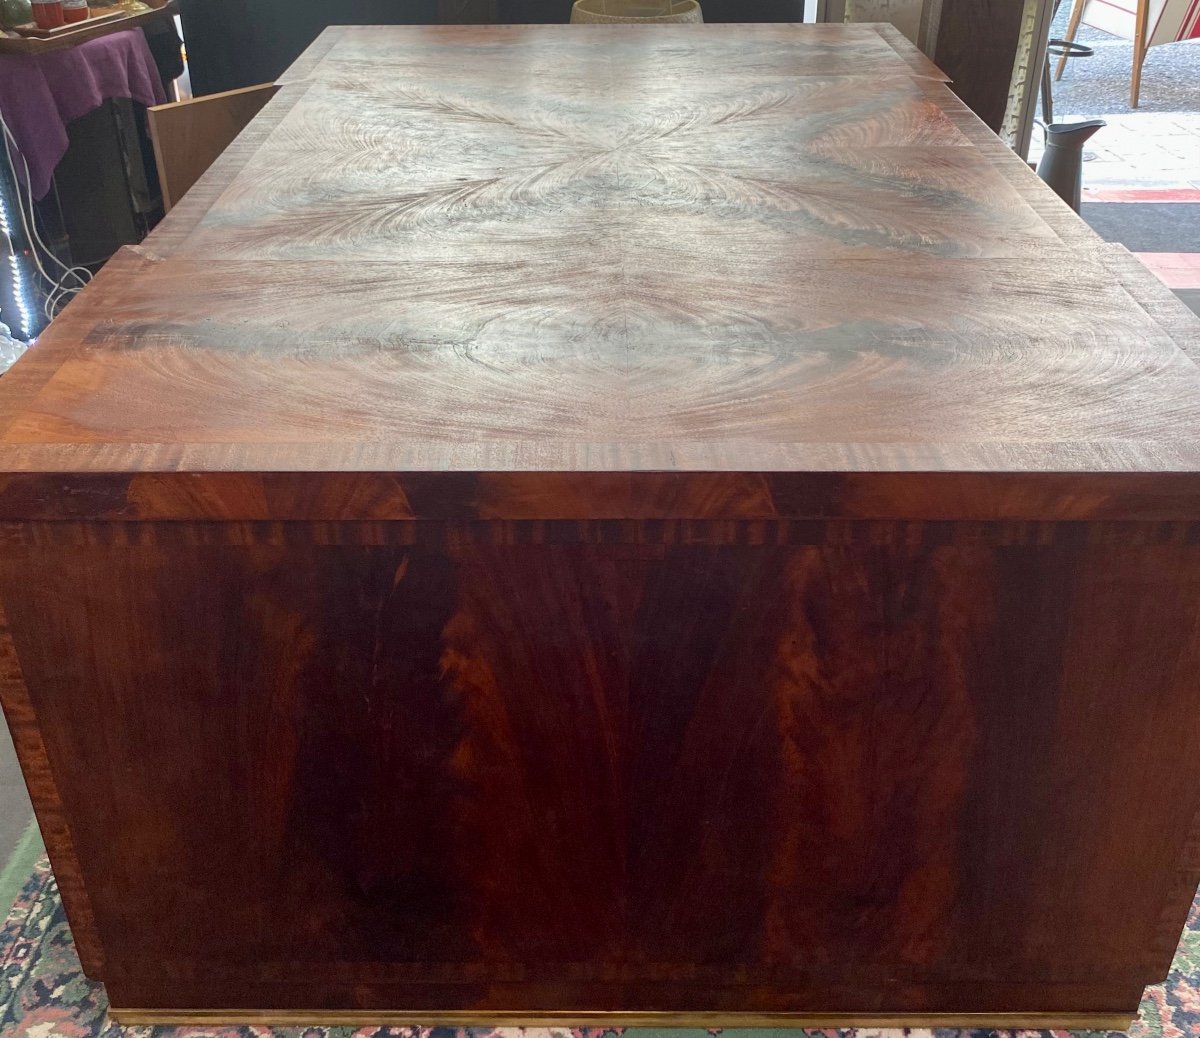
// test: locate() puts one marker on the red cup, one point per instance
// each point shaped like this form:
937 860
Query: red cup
48 14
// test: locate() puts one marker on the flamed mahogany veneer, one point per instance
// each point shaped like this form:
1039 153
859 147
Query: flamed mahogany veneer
573 523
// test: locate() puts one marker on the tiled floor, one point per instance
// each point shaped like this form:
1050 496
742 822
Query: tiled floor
1146 150
1141 150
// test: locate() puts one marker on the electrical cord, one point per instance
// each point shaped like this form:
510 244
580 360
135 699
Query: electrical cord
29 217
60 289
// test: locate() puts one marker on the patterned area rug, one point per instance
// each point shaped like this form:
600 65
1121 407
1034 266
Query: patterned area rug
43 994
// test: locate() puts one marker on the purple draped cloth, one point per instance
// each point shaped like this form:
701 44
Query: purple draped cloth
40 94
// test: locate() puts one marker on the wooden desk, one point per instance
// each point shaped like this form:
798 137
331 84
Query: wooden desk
586 523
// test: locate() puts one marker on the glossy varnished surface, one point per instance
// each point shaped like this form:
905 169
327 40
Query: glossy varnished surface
572 521
566 249
844 767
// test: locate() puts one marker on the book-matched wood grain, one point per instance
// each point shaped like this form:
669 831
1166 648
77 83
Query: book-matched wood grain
875 775
508 249
590 520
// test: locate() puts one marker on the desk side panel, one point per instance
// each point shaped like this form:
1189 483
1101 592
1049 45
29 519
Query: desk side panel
851 767
52 818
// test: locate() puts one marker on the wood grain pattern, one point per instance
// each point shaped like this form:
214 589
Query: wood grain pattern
671 778
433 1018
533 259
189 135
580 522
52 818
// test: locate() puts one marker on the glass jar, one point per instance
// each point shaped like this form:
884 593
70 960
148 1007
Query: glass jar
48 14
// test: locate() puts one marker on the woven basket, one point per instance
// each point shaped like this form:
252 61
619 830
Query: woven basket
638 12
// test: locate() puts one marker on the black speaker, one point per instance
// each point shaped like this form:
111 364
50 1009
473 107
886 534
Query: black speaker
105 190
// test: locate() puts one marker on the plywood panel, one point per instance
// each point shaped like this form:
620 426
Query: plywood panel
189 135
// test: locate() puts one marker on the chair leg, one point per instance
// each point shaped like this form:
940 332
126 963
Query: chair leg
1072 28
1139 51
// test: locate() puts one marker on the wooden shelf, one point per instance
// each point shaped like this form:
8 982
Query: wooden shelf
89 30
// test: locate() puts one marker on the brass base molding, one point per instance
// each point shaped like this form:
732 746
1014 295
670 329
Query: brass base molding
584 1018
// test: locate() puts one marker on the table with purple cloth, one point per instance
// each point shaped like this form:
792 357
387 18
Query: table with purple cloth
40 94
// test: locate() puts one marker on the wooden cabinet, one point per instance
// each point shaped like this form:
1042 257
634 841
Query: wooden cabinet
606 525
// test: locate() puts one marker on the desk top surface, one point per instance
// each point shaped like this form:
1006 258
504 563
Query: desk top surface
485 253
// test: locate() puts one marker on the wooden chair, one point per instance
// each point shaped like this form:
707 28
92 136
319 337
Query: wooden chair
1150 23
